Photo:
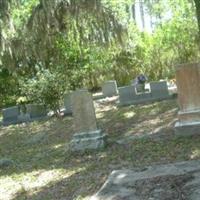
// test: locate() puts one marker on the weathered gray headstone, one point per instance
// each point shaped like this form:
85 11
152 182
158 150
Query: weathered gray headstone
36 110
24 117
109 89
10 115
188 84
67 103
127 95
86 136
159 90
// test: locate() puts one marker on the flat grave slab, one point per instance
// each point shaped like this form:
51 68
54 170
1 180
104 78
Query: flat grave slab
34 112
158 91
177 181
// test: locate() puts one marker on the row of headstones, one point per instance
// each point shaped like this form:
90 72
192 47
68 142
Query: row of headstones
88 136
109 89
12 115
128 94
80 103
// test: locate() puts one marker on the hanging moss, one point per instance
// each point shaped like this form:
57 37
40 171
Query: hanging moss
88 20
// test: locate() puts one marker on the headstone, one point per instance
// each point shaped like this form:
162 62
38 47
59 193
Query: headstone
159 90
36 110
109 89
86 136
133 94
24 117
127 95
10 115
67 103
188 84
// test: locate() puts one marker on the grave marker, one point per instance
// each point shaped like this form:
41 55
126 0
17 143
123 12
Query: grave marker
159 89
10 115
109 89
87 135
188 84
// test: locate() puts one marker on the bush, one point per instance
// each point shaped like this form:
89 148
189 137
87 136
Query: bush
45 88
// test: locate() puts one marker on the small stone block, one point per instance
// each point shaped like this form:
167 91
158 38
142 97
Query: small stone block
109 89
187 129
127 95
36 110
189 116
88 141
159 89
10 115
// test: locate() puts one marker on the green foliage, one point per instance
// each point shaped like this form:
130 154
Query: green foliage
8 87
45 88
53 46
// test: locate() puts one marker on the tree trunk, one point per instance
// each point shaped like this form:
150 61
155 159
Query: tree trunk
133 11
197 5
142 14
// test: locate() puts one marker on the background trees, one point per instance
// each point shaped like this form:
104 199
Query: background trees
80 43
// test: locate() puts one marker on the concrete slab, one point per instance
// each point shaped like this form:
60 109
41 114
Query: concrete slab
176 181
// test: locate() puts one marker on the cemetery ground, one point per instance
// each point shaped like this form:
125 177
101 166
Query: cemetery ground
36 164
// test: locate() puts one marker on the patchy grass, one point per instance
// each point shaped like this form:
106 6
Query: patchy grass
44 170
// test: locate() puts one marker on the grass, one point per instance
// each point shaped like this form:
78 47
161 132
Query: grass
45 170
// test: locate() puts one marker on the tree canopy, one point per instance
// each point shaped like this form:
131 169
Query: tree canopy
69 44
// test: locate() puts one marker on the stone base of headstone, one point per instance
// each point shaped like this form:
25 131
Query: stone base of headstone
24 118
188 124
187 128
189 116
92 140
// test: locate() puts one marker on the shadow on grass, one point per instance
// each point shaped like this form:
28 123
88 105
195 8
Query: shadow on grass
41 147
35 146
137 119
95 167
